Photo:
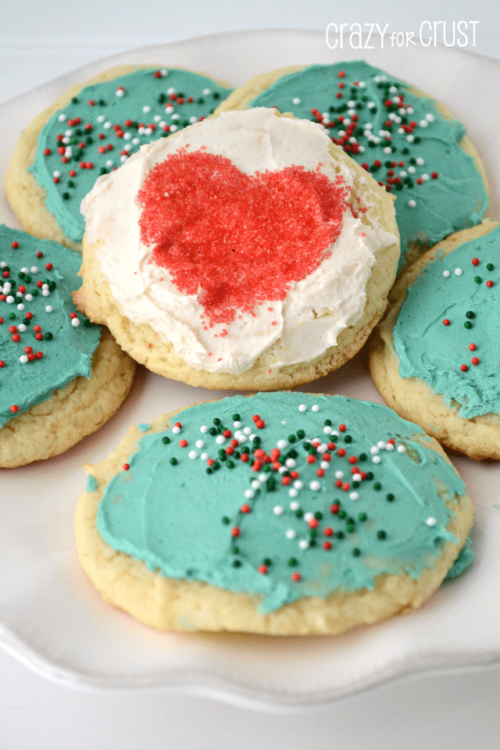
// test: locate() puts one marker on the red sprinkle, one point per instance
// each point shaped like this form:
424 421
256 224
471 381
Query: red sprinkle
475 361
183 443
446 322
464 368
14 409
235 531
296 577
126 467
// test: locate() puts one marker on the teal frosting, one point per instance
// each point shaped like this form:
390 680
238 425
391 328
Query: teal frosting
434 352
92 483
67 350
463 562
456 199
144 427
195 97
188 521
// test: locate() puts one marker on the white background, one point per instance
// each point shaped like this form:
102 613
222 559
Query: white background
39 41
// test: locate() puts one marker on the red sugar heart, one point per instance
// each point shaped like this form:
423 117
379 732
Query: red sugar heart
236 240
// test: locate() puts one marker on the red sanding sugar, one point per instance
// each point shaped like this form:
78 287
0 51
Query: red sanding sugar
236 240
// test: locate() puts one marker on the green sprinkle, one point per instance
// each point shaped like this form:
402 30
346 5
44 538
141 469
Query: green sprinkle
356 552
165 440
342 514
173 461
208 471
301 434
230 465
389 497
339 534
377 486
236 417
49 336
212 431
381 534
362 517
363 457
349 528
490 266
216 421
467 324
12 316
225 519
292 562
215 465
328 422
292 438
235 550
318 515
65 196
369 476
299 513
267 561
469 314
348 439
236 564
478 279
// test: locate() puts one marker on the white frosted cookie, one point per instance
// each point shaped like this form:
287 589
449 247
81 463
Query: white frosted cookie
282 513
246 252
61 378
91 130
435 358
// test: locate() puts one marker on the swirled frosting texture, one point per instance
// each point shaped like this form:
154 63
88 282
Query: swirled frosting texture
41 349
448 329
235 239
336 493
401 138
105 123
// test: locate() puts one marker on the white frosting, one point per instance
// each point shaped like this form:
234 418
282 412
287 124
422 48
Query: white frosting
315 310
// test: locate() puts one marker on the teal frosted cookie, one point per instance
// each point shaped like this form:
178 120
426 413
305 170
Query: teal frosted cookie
92 130
279 513
48 353
436 356
407 141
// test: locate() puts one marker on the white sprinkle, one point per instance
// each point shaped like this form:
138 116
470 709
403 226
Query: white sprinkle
381 445
249 494
123 158
199 443
255 484
136 141
315 485
278 510
431 521
293 493
204 456
220 439
23 359
303 544
296 100
425 177
192 454
291 534
236 425
56 174
203 428
423 123
302 407
458 272
21 327
283 421
308 517
376 459
282 470
148 131
61 117
20 306
357 478
164 72
281 444
176 430
429 117
339 474
291 463
193 119
74 322
127 136
206 92
28 297
387 150
412 204
315 407
374 450
262 478
389 447
420 161
10 299
298 484
247 430
294 505
353 495
146 108
119 92
107 125
171 90
157 118
327 430
401 449
324 465
411 170
109 163
446 274
410 138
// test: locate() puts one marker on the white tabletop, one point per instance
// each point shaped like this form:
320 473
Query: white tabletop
458 711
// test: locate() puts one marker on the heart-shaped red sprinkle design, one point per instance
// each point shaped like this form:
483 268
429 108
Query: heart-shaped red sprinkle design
236 240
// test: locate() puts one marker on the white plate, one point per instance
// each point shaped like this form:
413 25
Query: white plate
53 620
